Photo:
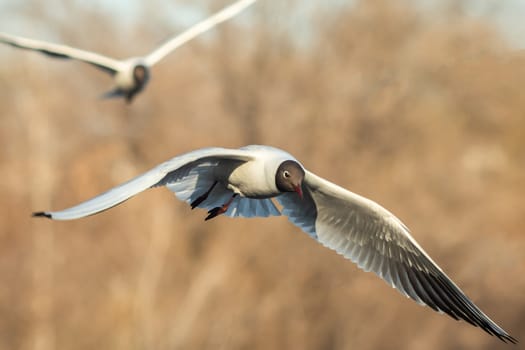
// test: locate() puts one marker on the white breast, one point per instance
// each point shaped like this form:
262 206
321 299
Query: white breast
124 77
250 180
256 179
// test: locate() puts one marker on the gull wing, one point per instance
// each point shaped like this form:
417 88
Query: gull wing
373 238
199 28
158 176
104 63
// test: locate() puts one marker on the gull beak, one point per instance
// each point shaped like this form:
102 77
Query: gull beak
299 190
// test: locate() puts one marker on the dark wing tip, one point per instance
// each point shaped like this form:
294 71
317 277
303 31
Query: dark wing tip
42 214
55 54
507 338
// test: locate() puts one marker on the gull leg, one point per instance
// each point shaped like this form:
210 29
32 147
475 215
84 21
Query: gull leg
220 210
201 198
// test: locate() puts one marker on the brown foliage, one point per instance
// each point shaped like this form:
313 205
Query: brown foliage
421 113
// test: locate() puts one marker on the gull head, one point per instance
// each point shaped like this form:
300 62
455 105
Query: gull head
140 75
289 177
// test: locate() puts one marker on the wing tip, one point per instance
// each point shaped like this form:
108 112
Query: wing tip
507 338
42 214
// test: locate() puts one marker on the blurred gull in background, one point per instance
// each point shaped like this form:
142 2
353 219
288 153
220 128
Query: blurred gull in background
131 75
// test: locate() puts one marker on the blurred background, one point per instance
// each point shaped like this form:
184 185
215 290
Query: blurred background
416 105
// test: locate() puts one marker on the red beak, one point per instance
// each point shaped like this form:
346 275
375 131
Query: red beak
299 190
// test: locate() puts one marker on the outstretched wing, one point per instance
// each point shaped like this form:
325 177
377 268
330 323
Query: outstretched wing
107 64
374 239
155 177
197 29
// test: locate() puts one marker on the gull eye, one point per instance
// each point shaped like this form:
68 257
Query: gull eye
286 174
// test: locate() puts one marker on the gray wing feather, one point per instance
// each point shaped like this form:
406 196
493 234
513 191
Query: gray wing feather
301 213
250 207
373 238
62 51
197 29
107 199
157 176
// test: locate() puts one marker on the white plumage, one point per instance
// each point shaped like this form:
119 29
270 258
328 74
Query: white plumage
244 180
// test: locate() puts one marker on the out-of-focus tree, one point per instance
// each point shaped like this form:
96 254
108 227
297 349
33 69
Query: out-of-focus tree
420 111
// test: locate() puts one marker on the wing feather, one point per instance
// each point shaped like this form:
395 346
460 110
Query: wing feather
105 63
158 176
381 243
197 29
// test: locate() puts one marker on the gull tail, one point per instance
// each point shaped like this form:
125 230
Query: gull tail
115 93
118 93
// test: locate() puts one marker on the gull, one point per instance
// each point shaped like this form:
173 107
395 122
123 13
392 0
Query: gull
131 75
242 183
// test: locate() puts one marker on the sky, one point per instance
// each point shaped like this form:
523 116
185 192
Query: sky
507 15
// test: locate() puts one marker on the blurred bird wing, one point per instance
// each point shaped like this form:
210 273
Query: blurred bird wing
197 29
107 64
161 175
373 238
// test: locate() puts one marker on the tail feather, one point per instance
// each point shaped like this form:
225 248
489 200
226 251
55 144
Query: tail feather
115 93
